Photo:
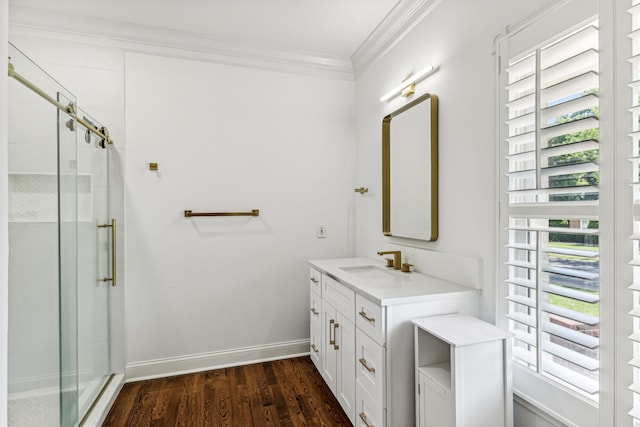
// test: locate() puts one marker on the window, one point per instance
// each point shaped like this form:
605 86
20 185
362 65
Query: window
552 251
550 215
569 182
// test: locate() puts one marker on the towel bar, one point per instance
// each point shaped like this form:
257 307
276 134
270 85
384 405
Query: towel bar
189 214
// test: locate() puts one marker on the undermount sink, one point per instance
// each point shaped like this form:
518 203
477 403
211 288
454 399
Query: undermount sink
371 272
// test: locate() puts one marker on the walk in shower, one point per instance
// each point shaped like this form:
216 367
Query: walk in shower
61 252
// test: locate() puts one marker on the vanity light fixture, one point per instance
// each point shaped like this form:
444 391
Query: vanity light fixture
408 86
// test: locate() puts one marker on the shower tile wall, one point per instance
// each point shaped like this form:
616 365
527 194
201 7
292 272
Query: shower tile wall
33 351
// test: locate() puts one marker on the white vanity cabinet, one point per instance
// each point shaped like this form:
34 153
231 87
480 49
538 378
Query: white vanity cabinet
463 375
375 331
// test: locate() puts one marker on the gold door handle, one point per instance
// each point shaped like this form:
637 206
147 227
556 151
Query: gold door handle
367 318
335 334
363 417
111 279
363 362
314 280
314 311
313 346
332 341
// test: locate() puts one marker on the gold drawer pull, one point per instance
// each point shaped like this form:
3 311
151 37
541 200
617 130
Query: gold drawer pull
335 334
367 318
363 417
314 311
313 346
314 280
363 361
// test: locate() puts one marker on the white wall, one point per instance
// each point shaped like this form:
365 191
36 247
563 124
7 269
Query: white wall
457 37
229 138
4 241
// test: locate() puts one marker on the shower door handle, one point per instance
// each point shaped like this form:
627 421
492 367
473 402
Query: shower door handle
111 279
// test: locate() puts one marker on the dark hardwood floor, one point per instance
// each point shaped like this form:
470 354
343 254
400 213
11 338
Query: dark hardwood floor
287 392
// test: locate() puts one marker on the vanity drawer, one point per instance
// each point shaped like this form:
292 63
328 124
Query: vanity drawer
339 296
368 412
370 317
315 278
370 366
315 342
315 307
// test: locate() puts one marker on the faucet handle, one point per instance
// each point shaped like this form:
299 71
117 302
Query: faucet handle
389 262
406 267
397 258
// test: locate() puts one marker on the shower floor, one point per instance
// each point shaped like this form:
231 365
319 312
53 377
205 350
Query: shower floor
41 408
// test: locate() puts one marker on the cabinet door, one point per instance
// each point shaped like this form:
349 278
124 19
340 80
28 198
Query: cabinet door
346 385
422 416
329 354
436 406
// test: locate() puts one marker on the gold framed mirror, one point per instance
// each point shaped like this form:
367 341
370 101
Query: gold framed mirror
410 170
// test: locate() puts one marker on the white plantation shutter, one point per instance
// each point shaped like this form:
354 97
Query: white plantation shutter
635 183
552 254
553 93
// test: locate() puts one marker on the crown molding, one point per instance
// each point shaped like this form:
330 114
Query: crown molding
166 42
393 28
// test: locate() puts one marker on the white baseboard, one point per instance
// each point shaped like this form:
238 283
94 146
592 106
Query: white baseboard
215 360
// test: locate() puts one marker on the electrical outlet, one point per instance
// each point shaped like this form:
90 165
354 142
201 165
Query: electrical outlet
322 231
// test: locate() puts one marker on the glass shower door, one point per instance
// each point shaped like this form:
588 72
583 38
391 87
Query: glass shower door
42 209
85 269
67 265
96 233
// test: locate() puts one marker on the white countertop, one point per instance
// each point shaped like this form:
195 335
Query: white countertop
384 286
461 330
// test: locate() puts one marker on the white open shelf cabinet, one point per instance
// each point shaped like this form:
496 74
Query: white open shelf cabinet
463 373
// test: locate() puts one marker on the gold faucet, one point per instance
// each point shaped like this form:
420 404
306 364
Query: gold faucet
397 258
